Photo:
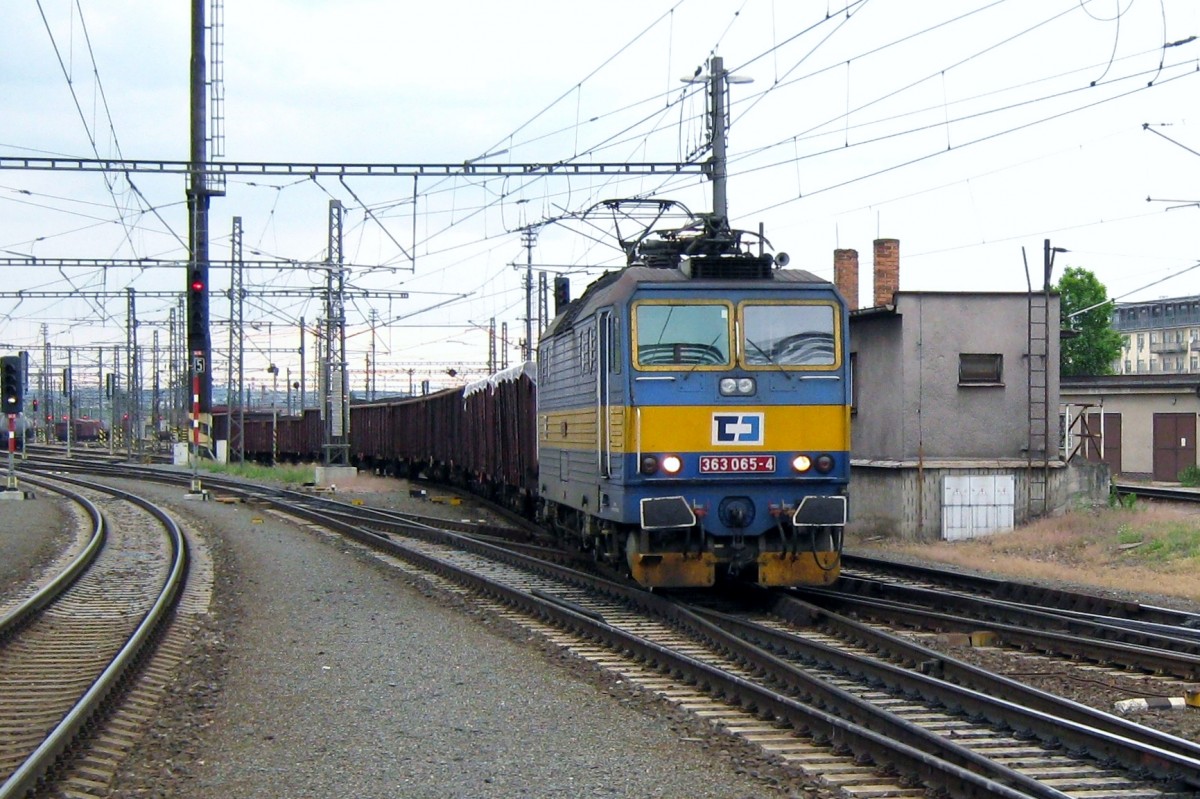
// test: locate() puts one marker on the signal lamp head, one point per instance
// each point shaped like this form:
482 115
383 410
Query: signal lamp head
649 464
824 464
801 463
671 464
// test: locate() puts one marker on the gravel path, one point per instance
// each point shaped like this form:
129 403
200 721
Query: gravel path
32 533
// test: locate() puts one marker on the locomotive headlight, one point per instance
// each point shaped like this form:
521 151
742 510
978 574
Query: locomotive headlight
801 463
824 464
671 464
736 386
649 464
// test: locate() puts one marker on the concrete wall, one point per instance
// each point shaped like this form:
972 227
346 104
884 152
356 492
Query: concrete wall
904 499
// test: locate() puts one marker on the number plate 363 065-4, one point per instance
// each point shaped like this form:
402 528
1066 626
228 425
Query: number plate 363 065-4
736 464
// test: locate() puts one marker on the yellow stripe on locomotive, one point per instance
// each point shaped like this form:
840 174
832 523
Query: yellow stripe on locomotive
688 428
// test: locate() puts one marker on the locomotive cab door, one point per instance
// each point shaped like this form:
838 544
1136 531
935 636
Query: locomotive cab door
603 418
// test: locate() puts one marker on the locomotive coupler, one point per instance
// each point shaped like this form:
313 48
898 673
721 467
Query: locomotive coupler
740 555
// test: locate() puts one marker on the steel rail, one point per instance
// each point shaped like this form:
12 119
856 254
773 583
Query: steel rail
986 610
806 615
1049 598
58 740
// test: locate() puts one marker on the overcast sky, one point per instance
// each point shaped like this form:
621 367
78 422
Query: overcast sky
969 130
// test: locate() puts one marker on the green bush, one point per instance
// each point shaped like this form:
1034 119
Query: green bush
1118 500
1190 476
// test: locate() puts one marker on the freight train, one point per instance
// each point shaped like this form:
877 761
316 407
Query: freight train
688 419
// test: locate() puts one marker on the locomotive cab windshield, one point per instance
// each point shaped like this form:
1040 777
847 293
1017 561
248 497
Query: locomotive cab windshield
789 334
775 334
671 333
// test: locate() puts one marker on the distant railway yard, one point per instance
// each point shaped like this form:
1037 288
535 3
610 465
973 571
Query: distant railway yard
896 681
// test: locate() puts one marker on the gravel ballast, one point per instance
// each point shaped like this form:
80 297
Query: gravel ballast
324 672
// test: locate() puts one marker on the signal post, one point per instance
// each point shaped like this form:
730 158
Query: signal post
12 397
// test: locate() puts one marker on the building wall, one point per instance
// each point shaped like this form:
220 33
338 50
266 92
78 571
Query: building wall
877 424
1159 337
911 403
1137 405
920 432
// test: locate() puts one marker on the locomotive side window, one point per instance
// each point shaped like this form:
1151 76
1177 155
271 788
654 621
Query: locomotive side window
670 333
614 344
789 334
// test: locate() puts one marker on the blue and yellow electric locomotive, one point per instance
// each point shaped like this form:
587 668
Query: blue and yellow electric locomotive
694 415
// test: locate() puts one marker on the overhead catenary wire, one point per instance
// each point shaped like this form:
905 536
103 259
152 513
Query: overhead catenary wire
485 197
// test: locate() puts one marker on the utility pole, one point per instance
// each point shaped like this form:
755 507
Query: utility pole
48 383
337 418
132 359
719 174
200 188
68 390
302 376
371 360
529 236
542 310
100 377
491 361
199 343
114 405
156 408
718 81
234 400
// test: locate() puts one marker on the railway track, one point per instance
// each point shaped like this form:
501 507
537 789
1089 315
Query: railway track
1019 627
842 706
1173 493
70 649
1120 635
795 710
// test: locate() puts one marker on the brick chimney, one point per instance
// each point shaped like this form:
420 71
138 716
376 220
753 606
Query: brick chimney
887 270
845 275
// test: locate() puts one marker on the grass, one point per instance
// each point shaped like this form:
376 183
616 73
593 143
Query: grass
288 475
1145 549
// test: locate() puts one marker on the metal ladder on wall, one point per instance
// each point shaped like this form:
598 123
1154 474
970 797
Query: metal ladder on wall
1037 361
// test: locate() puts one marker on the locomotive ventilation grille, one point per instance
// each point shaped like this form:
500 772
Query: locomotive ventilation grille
747 268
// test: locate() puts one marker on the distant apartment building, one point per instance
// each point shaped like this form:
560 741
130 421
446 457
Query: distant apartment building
1159 337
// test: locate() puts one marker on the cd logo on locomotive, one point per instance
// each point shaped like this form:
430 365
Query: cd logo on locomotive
729 429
